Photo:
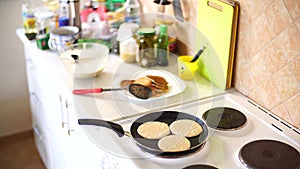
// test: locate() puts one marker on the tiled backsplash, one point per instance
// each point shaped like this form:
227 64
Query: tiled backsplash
267 61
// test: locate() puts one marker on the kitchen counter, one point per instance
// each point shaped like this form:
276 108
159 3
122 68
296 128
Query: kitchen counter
111 106
221 148
114 106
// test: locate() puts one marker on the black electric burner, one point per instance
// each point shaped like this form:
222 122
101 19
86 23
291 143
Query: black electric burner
200 166
224 118
269 154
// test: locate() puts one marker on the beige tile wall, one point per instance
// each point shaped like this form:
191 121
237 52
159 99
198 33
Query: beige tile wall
267 65
267 61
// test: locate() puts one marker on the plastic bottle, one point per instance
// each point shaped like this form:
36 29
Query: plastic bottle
29 7
63 19
162 46
132 11
53 5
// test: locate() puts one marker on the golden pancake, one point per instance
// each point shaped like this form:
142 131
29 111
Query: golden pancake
143 81
174 143
153 130
185 127
158 80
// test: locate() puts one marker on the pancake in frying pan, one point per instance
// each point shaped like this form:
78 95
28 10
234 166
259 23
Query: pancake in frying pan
153 130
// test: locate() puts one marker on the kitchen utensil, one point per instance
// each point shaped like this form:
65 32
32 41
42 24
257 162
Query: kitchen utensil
186 68
75 57
196 57
162 2
217 20
84 60
187 65
177 10
151 145
74 13
138 90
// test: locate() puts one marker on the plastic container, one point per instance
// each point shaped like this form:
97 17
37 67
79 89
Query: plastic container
146 41
44 22
128 50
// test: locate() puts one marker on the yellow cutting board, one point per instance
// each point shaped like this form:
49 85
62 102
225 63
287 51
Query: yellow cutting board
217 21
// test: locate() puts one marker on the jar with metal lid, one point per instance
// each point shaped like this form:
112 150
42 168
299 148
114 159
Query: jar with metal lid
146 40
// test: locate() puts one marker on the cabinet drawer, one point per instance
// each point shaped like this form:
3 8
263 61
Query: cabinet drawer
42 144
32 76
36 109
40 131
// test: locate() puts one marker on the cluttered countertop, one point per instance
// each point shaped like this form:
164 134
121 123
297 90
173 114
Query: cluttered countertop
185 82
114 70
196 98
193 91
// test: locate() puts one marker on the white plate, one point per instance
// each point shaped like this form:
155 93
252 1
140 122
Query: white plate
175 84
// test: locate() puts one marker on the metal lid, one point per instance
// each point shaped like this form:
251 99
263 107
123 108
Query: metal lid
146 31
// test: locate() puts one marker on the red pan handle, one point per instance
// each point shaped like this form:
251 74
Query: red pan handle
86 91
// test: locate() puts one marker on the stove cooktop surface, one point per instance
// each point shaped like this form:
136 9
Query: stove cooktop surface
269 154
224 118
223 147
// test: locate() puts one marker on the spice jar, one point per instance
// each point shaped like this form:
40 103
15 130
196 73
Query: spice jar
145 38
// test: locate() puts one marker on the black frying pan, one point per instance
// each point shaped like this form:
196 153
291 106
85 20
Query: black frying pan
151 145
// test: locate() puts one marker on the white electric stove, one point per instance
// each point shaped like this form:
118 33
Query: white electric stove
223 148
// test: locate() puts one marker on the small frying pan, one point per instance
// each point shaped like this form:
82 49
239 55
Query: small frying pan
151 145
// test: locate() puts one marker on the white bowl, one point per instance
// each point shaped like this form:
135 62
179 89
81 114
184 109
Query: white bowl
92 58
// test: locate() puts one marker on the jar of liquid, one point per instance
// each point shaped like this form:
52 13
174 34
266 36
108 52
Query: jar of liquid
145 38
28 10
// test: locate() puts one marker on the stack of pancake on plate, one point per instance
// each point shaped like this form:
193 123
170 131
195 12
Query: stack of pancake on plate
157 84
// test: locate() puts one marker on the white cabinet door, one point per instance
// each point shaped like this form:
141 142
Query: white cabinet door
59 139
41 133
71 148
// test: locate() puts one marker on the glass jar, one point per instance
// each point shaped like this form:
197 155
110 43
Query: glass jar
146 40
28 10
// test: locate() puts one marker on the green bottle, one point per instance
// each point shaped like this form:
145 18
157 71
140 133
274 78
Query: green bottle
162 47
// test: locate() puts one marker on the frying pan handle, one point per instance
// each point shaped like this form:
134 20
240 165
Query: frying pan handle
102 123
